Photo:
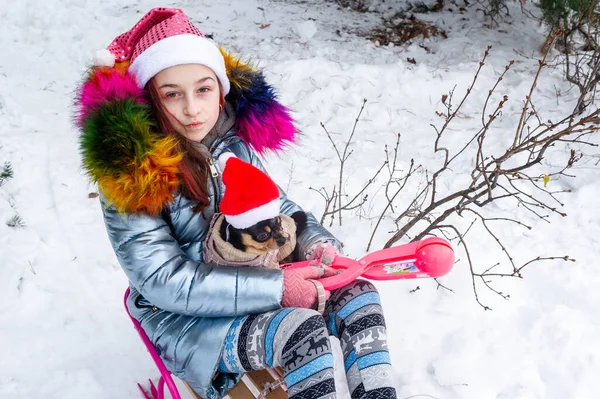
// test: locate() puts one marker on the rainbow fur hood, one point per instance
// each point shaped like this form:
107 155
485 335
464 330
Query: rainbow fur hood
137 170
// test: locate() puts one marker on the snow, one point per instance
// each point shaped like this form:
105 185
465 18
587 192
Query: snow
64 331
306 30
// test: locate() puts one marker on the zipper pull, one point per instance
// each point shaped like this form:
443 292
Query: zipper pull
213 170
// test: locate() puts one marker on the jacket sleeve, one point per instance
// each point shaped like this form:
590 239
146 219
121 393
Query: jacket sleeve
314 233
157 267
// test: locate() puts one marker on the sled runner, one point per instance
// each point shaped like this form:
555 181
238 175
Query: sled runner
429 258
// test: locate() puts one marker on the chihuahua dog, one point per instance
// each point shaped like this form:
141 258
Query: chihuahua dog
267 243
250 197
264 236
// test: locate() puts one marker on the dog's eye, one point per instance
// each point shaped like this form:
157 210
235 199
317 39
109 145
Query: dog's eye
264 236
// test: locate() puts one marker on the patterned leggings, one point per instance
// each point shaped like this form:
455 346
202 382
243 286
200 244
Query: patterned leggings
297 340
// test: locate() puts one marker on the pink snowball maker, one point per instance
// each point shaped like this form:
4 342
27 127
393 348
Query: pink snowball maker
428 258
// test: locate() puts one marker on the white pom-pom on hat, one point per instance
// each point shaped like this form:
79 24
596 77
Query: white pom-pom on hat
104 58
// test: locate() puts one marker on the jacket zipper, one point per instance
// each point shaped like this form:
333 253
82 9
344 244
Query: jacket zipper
214 173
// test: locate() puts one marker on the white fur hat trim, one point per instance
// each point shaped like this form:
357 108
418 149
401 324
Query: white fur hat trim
179 50
255 215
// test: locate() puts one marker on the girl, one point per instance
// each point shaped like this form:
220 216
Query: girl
159 106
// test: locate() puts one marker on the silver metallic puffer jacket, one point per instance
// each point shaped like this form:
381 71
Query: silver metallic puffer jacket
185 306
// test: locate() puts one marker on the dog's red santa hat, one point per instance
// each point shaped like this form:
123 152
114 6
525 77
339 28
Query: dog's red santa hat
250 194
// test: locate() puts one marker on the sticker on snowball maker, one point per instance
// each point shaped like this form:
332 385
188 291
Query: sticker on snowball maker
400 268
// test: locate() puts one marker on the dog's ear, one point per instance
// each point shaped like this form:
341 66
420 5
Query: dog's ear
223 229
300 218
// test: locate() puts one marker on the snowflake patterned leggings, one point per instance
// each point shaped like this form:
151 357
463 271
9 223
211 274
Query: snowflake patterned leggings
297 340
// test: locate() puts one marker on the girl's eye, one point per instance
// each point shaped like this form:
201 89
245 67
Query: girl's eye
171 95
203 89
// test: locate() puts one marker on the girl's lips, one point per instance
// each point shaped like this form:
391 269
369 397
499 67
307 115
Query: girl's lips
194 125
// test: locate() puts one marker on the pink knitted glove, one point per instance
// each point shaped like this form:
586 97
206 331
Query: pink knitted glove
298 290
324 253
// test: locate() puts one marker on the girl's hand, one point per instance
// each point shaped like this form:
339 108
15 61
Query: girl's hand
324 253
300 289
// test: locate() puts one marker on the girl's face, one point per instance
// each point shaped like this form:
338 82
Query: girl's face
191 96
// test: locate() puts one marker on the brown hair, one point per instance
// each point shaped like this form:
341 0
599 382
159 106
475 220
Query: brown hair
194 168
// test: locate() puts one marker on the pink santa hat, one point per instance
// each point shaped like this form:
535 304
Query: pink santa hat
250 194
163 38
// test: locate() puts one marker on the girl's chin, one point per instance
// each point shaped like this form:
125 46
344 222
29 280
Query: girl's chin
195 134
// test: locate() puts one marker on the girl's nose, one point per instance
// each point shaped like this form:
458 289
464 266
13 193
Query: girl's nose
191 108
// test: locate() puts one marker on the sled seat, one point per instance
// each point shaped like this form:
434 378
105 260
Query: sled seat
261 384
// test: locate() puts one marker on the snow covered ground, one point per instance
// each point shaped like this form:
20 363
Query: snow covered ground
63 329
